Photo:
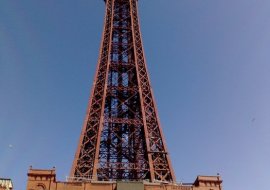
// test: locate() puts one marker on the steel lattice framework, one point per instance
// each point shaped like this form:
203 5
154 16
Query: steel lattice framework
121 137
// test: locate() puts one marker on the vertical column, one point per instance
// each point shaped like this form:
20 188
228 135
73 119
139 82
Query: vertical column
85 157
160 164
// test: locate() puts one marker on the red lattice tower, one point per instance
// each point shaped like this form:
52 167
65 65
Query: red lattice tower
121 137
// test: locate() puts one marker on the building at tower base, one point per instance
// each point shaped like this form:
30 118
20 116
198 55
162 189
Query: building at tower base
6 184
46 180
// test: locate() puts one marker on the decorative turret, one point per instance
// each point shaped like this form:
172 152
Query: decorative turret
40 179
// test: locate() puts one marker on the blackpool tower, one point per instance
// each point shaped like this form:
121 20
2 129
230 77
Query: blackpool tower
121 146
121 136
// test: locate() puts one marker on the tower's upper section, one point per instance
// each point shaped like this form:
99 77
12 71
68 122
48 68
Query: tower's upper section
122 138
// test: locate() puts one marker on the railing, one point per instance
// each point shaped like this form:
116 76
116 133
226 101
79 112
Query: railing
79 179
175 186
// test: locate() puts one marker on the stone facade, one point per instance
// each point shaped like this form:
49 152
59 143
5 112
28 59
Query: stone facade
46 180
6 184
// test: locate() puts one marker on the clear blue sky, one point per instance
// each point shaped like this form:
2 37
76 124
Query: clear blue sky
209 65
